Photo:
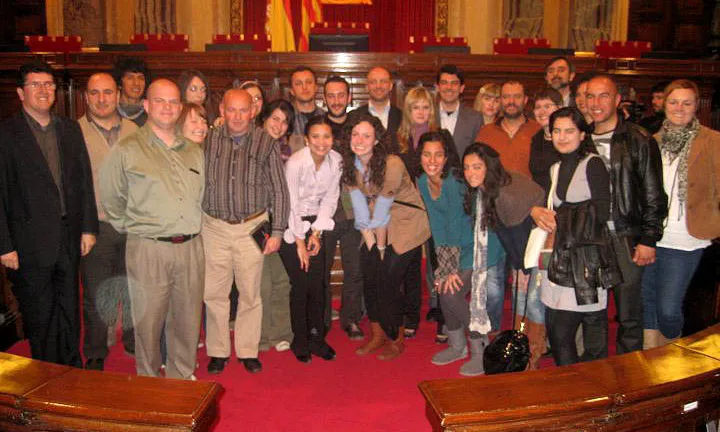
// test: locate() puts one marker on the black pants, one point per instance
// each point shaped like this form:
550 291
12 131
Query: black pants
105 286
383 280
49 303
628 299
561 328
307 298
352 292
413 292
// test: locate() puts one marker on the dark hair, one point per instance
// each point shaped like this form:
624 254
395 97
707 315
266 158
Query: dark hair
124 65
285 107
337 79
563 58
302 68
35 66
578 119
660 87
443 136
184 79
495 178
451 70
584 77
315 121
187 108
512 82
378 160
548 93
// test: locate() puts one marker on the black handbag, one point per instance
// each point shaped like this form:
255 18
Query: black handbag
510 350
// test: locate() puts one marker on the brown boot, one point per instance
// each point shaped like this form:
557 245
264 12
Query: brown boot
393 348
375 341
536 336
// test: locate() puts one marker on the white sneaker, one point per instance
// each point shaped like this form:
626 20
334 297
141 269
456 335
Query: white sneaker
193 377
282 346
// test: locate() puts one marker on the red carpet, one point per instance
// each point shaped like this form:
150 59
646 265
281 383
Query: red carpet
352 393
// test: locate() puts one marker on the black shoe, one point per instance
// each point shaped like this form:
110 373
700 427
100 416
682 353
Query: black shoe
216 365
252 365
324 351
354 332
130 350
433 315
95 364
303 358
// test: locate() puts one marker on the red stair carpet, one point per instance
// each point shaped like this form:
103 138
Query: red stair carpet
351 393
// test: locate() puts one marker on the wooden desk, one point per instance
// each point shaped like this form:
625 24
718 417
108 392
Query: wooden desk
667 388
35 395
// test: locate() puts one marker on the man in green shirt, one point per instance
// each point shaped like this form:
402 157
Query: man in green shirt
152 187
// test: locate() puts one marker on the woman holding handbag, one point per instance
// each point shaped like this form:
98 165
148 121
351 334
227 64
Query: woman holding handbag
579 181
392 220
443 191
691 177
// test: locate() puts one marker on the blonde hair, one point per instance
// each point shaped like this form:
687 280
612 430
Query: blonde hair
488 89
415 95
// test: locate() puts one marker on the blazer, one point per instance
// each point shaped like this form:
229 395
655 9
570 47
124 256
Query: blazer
703 191
467 127
394 120
30 217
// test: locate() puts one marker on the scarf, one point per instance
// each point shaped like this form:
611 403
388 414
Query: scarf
479 320
676 143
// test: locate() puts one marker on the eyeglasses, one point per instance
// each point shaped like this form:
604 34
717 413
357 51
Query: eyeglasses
47 85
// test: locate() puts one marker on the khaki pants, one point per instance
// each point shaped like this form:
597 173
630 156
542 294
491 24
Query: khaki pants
275 295
165 282
232 253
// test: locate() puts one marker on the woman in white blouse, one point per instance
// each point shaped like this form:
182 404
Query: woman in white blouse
691 177
313 177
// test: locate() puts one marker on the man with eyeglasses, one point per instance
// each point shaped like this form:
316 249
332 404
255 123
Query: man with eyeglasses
48 217
103 269
151 187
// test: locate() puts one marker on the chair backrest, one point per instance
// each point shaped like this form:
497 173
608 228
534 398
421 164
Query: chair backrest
41 43
162 41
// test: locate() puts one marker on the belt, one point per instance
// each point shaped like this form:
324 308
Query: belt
177 239
247 219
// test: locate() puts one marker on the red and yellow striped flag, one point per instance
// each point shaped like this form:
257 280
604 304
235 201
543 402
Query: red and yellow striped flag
281 31
311 12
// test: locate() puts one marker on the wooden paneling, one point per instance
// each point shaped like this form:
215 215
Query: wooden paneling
667 388
681 25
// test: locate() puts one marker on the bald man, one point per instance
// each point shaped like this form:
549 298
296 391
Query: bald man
245 181
151 188
103 269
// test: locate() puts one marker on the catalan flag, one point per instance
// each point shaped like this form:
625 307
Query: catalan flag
283 38
311 12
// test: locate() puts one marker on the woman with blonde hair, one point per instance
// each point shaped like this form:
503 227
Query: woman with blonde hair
487 102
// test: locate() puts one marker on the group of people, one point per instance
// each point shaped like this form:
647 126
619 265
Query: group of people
169 203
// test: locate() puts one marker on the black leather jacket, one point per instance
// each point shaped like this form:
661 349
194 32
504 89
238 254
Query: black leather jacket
639 202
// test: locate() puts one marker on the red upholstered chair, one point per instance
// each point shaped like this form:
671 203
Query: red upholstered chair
627 49
256 42
438 44
162 42
65 44
340 27
518 45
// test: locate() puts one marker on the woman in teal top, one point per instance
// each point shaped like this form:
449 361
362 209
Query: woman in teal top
452 231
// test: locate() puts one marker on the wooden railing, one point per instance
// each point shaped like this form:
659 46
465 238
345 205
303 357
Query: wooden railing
39 396
664 389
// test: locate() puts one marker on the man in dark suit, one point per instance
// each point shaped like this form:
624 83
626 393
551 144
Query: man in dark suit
48 216
463 123
380 85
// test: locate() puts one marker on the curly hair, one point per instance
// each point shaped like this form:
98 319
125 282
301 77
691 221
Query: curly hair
378 160
443 136
495 178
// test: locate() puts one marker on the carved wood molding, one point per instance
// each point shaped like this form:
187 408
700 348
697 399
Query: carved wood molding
441 17
236 16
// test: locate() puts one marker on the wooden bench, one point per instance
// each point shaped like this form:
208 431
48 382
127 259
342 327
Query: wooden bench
666 388
36 395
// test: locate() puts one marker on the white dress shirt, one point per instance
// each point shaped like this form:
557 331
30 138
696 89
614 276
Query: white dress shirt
313 192
448 121
383 115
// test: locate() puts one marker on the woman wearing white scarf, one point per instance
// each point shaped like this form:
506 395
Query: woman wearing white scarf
691 177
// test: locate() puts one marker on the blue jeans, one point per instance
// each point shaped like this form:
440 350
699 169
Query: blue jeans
664 285
535 307
496 293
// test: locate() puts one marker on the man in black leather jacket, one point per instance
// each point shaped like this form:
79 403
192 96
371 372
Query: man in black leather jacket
639 202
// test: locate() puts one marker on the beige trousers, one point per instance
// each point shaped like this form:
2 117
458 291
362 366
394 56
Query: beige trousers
232 253
165 282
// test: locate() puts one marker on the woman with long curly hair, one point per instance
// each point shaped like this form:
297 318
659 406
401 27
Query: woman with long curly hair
391 217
